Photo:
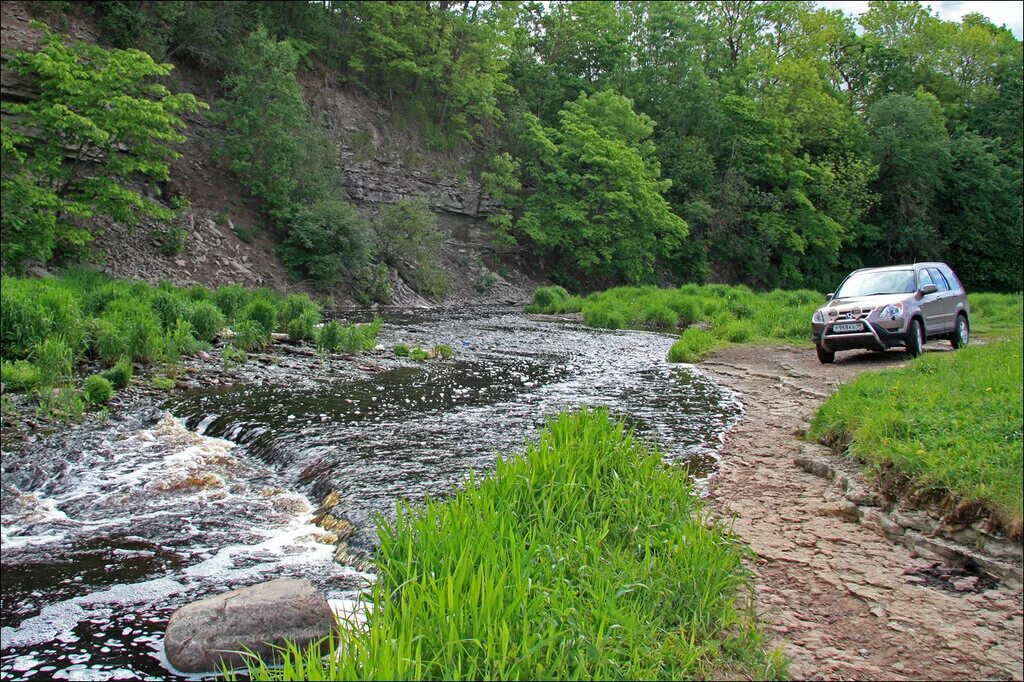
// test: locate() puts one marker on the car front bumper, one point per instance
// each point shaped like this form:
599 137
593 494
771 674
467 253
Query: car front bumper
874 335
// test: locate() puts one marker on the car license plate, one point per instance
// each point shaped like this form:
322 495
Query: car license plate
851 327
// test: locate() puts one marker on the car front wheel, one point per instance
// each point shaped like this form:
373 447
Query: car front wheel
962 334
915 338
825 357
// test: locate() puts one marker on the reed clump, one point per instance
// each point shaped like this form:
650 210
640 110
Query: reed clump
586 557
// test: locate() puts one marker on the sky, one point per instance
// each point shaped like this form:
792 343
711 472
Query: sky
1009 13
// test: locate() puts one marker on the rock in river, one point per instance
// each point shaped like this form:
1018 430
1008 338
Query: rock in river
202 633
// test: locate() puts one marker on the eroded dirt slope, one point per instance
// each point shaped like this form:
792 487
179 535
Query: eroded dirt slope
835 595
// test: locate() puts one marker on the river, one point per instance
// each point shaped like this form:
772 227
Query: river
110 529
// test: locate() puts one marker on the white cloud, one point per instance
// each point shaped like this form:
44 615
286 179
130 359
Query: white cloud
1008 13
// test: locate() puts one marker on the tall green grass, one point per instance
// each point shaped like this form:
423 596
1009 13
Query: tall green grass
713 315
586 558
47 326
951 422
997 315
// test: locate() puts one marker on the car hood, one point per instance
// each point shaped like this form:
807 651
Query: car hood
866 303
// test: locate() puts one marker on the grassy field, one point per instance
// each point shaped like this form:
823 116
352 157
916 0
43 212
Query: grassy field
586 558
49 326
997 315
949 421
714 315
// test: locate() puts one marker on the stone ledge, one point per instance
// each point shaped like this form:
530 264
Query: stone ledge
919 530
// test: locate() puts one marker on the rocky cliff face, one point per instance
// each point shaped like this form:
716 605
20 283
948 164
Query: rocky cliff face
382 158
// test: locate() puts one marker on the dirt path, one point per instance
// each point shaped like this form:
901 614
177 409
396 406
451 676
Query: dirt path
835 594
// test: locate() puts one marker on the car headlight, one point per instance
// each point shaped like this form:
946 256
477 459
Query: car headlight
892 310
818 316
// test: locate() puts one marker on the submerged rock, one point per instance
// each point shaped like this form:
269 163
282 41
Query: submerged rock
201 634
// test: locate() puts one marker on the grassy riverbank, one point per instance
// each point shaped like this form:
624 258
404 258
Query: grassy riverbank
49 326
585 558
949 422
714 315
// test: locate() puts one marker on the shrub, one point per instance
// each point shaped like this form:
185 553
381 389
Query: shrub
120 375
106 101
97 390
168 307
324 240
549 300
334 337
419 354
129 331
33 310
231 299
373 285
693 346
297 305
608 315
197 292
735 331
262 312
401 350
181 340
658 315
429 280
443 351
207 320
304 326
250 335
54 360
409 239
20 376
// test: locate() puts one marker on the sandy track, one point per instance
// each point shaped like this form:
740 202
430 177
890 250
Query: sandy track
833 593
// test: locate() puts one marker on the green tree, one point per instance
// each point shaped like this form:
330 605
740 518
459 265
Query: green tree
325 239
101 126
409 239
271 144
911 147
594 205
980 218
284 159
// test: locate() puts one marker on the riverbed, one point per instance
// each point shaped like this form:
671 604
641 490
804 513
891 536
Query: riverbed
108 529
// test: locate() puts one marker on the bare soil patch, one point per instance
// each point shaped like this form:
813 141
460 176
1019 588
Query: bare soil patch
843 601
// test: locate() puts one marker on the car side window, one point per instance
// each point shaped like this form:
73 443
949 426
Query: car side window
922 279
951 278
938 279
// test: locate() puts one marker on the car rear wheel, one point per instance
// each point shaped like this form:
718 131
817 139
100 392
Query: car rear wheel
962 333
825 357
915 338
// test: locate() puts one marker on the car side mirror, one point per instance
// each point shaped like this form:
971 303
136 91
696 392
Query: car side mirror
928 289
829 297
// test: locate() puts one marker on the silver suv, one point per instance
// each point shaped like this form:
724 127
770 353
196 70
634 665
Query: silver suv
901 305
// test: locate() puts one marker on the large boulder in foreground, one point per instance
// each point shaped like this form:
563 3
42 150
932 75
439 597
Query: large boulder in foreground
201 634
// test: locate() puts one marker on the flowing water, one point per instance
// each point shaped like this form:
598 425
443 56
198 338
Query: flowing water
109 532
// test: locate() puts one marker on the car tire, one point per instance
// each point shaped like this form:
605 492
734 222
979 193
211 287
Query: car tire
915 338
825 357
962 333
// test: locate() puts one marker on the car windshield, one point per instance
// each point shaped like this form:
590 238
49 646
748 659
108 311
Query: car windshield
875 283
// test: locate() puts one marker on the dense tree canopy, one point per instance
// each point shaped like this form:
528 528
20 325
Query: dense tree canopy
795 142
